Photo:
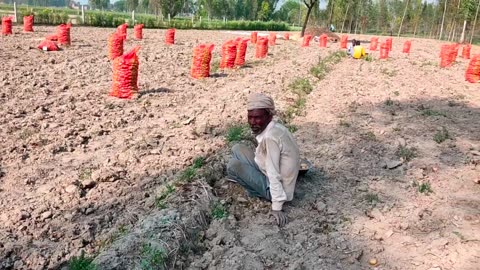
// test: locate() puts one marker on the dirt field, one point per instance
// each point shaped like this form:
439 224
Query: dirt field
81 171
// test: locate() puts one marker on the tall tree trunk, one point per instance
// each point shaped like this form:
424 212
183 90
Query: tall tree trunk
403 17
443 20
331 14
345 17
475 22
462 37
309 10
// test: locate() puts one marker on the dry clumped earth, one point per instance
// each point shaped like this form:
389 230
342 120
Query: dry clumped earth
82 171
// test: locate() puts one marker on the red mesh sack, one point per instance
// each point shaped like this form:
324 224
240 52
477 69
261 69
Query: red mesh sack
63 34
406 46
47 45
473 71
138 31
447 55
373 43
202 55
7 26
272 39
389 42
343 42
229 53
466 51
253 37
122 30
384 51
323 40
170 36
306 40
286 36
115 46
125 75
261 49
28 23
242 45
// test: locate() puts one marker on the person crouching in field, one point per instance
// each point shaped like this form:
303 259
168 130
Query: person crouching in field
271 171
358 50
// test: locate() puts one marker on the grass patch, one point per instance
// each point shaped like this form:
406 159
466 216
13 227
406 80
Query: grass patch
198 162
369 58
429 112
81 263
425 188
292 128
441 135
219 211
406 153
389 102
324 65
344 123
372 198
301 86
153 258
160 201
236 133
215 66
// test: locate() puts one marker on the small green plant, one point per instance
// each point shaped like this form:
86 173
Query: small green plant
236 133
219 211
388 102
369 58
372 198
344 123
441 135
215 66
406 153
319 71
369 135
301 86
425 188
153 258
292 128
429 112
300 104
160 201
81 263
198 162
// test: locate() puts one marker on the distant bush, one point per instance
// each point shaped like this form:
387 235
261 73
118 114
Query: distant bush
55 16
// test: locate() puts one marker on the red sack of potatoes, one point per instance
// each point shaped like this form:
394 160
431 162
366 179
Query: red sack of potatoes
242 45
253 37
473 71
202 55
47 45
373 43
125 75
389 42
447 55
28 23
229 53
261 49
138 31
170 36
272 39
343 42
323 40
115 46
122 30
7 26
63 34
306 40
406 46
384 51
466 51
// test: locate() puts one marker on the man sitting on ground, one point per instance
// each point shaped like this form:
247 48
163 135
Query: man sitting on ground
271 172
358 50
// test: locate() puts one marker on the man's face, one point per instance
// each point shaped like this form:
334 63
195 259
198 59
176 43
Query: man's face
258 119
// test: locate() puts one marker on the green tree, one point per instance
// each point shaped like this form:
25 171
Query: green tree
264 12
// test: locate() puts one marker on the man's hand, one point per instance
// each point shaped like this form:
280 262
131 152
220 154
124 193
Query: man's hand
280 217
